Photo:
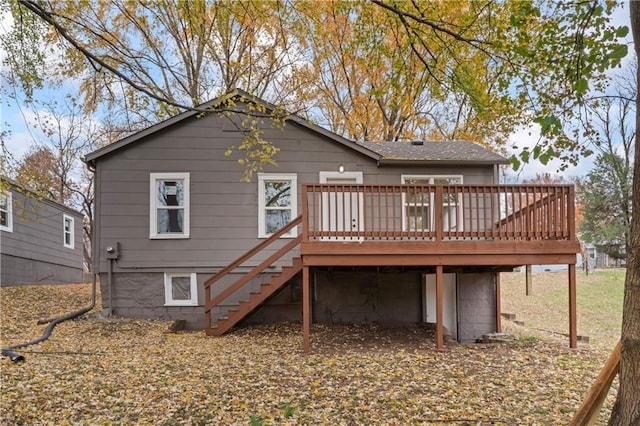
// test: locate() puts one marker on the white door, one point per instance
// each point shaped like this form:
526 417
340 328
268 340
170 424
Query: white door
341 211
449 312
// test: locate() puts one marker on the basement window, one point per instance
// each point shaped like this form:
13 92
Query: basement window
180 289
277 203
68 231
6 213
169 214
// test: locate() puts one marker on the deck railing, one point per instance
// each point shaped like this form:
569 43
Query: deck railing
356 212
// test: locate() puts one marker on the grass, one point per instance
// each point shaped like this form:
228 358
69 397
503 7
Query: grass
599 302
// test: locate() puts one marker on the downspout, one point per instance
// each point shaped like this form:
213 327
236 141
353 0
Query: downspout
15 357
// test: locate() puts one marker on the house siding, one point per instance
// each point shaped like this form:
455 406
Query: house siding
34 252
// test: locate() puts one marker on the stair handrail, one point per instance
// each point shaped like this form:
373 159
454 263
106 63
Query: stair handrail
233 265
251 274
209 304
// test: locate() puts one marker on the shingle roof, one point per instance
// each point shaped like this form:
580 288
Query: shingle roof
440 151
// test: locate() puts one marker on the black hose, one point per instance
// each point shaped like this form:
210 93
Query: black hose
15 357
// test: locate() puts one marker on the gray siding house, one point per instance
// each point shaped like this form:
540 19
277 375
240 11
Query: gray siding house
173 215
40 239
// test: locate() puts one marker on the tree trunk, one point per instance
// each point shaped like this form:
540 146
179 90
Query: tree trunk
626 410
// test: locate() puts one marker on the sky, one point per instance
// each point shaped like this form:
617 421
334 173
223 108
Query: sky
13 117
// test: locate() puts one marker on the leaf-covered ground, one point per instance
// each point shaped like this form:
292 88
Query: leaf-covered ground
95 371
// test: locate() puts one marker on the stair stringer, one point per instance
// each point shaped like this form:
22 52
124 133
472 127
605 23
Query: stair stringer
256 299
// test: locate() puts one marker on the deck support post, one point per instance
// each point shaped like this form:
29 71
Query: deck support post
529 280
498 307
573 329
306 308
439 327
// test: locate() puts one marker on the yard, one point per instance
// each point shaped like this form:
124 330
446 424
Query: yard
97 371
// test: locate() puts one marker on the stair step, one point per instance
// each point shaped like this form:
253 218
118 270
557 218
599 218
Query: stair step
256 298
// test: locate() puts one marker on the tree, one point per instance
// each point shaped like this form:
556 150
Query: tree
605 195
606 192
368 84
53 167
37 171
546 57
147 61
626 410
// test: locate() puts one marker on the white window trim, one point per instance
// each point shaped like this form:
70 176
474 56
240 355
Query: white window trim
431 178
72 231
9 226
153 207
265 177
193 289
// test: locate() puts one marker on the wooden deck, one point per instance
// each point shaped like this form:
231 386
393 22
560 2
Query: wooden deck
482 227
467 225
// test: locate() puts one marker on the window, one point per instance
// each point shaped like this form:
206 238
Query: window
419 207
68 231
277 202
6 212
180 289
169 215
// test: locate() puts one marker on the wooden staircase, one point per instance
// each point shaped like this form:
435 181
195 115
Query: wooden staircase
268 289
245 307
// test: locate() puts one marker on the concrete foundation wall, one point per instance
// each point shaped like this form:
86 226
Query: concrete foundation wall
476 306
141 295
362 296
21 271
366 296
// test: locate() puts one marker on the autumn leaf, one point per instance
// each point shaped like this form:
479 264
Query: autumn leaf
134 371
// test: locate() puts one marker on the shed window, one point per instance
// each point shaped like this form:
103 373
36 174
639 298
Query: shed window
277 202
180 289
68 231
6 213
169 215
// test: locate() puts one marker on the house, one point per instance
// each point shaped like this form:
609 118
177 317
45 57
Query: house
337 232
40 239
599 259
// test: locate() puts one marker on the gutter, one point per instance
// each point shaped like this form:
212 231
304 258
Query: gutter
15 357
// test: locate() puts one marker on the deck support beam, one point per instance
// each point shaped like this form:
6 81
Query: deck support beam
439 326
306 309
573 328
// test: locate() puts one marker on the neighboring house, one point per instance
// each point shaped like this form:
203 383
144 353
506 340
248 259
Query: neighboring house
388 232
40 239
600 259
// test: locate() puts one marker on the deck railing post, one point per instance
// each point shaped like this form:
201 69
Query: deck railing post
438 213
571 213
